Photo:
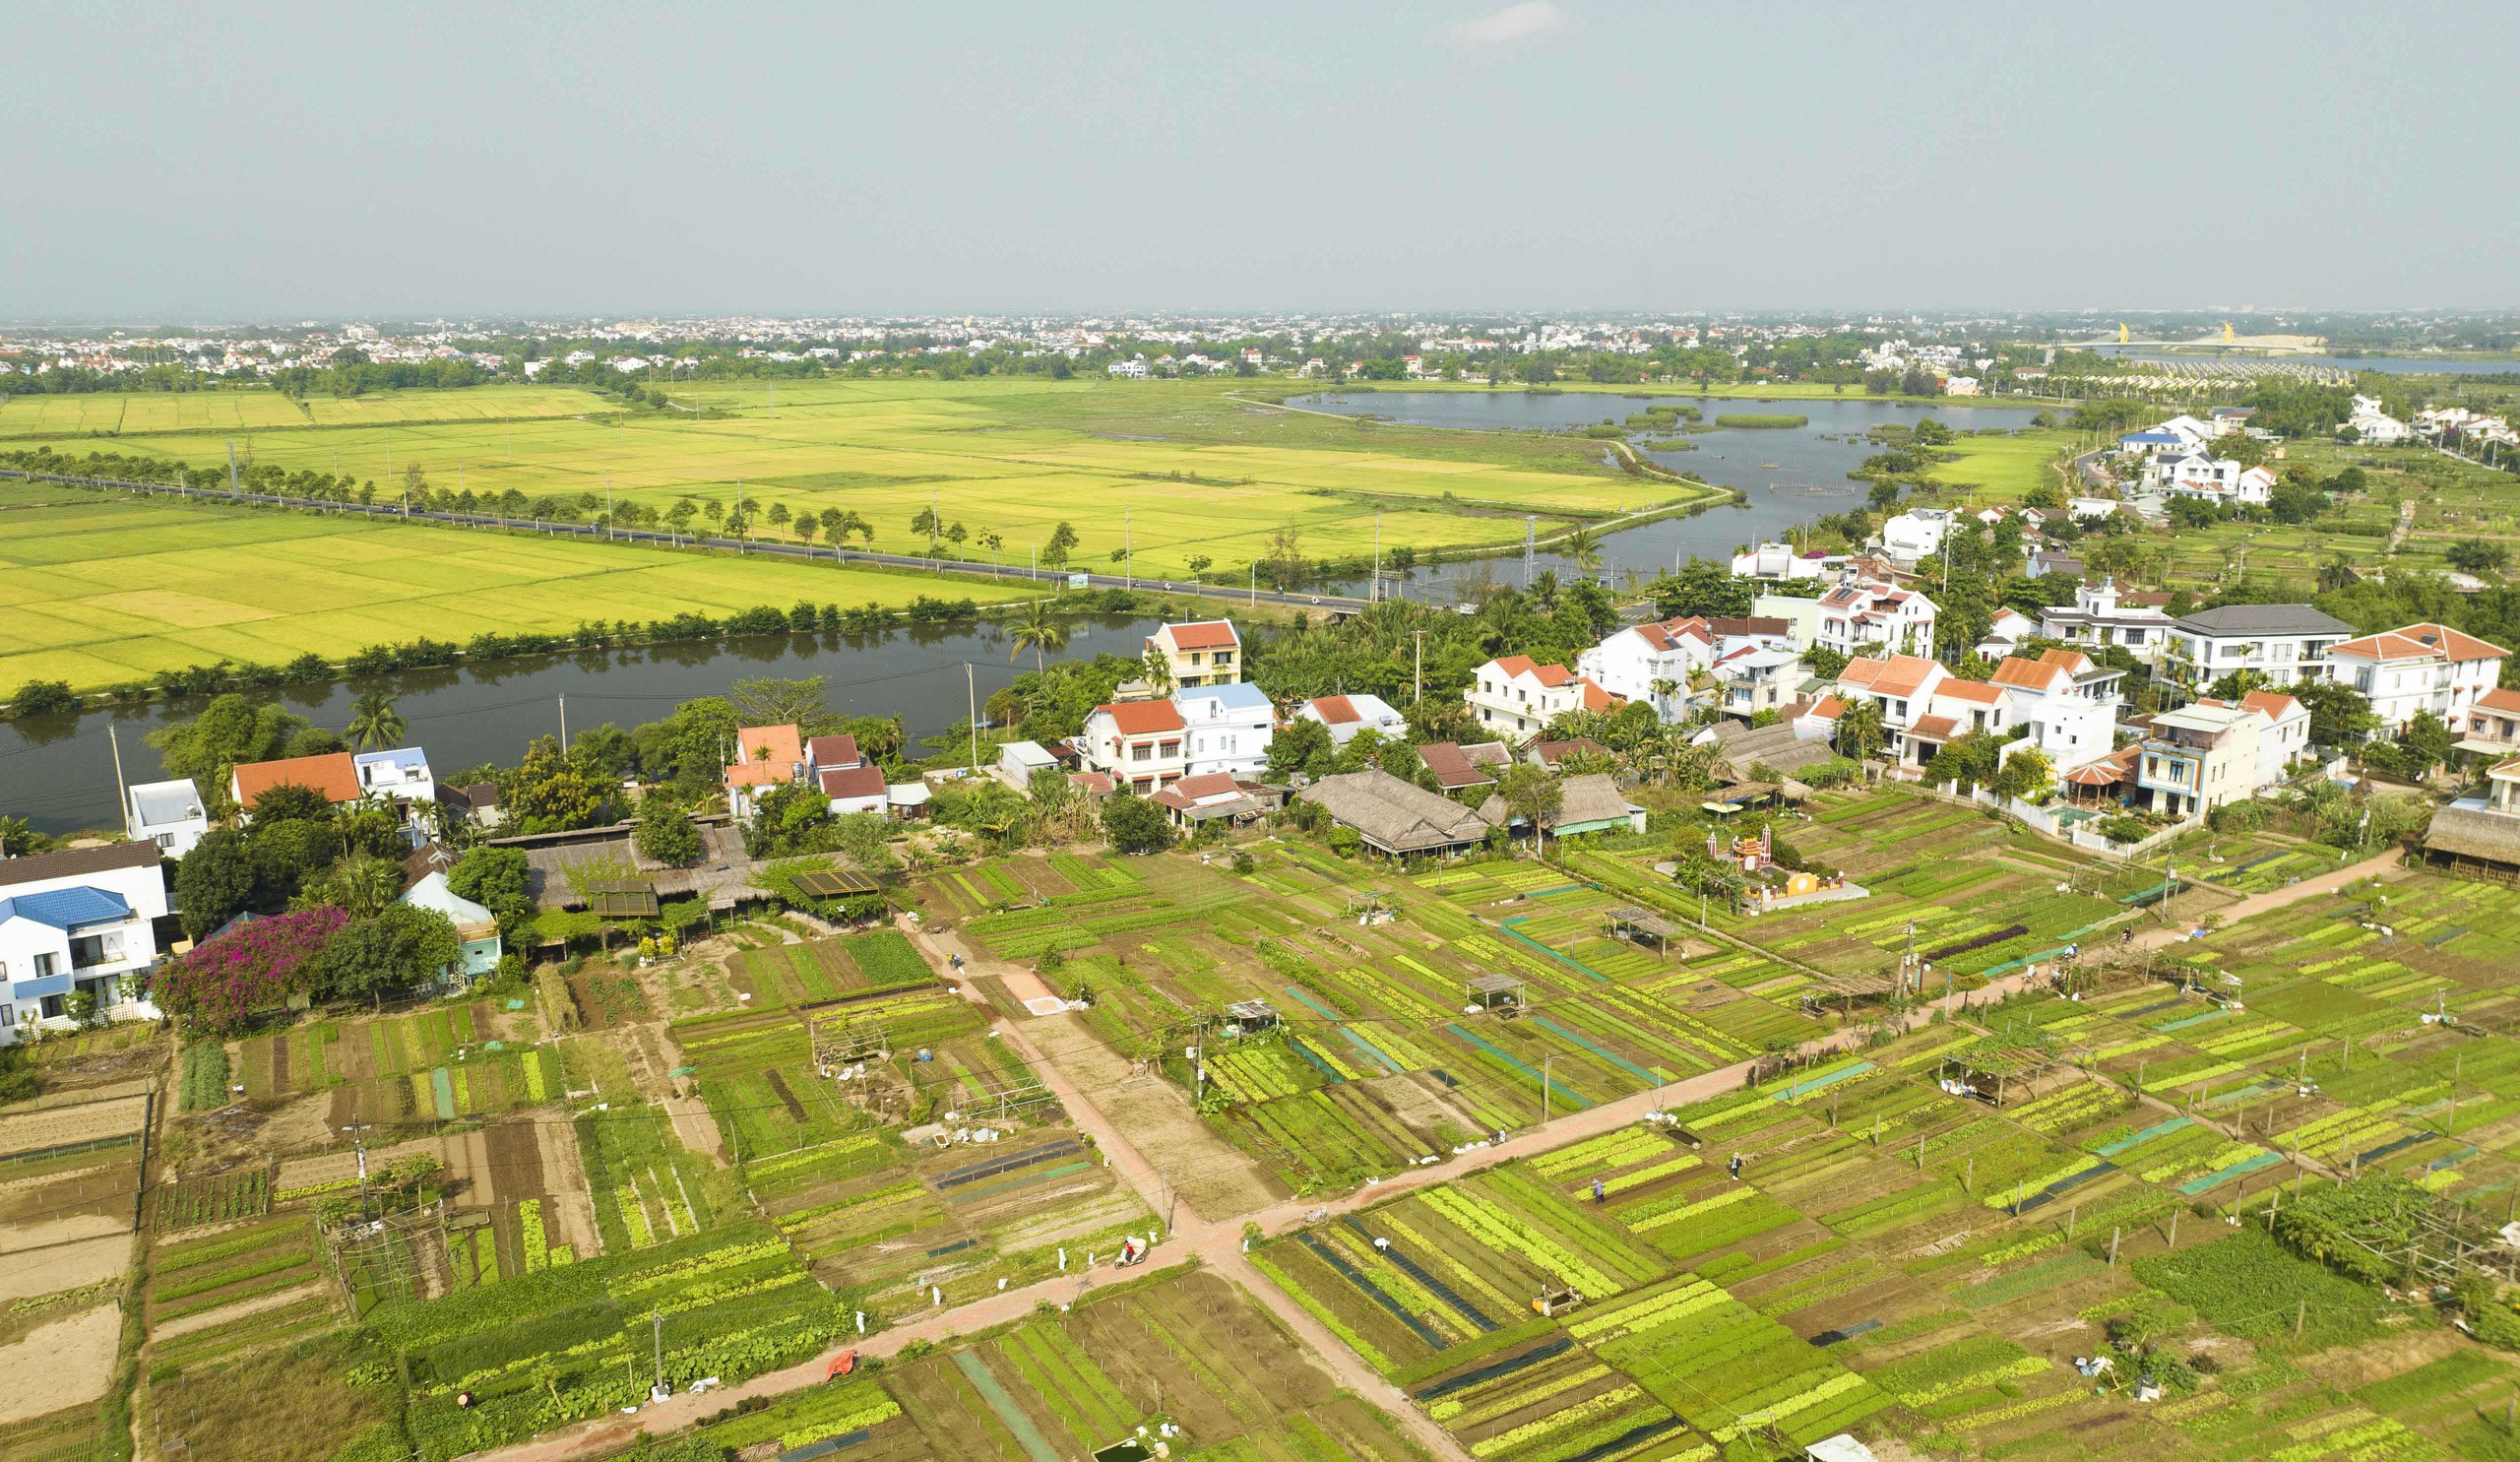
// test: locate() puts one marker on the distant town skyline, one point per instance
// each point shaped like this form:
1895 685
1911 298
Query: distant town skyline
277 162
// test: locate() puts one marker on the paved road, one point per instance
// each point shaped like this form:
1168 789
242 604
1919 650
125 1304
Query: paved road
1049 578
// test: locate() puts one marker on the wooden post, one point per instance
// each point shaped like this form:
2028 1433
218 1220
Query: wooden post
2069 1221
2174 1228
2300 1318
1969 1176
2113 1246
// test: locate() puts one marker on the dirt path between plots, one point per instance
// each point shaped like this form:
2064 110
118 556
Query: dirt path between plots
2273 899
227 1314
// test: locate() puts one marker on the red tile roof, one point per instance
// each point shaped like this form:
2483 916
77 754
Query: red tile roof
1451 767
853 782
833 752
1934 727
752 768
2421 641
1970 690
1335 710
2274 705
2499 699
1143 718
1204 634
334 776
2029 675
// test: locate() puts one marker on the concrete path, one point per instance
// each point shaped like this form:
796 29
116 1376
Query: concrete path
2273 899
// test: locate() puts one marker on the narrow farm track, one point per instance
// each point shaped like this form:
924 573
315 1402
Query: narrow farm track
2278 898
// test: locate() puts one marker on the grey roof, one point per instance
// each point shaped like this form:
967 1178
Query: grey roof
72 862
1777 746
2471 832
160 804
2262 619
1396 816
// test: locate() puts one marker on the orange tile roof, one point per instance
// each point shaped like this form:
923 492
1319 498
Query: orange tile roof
1902 674
1205 634
1862 672
2029 675
853 782
334 775
1827 708
2071 661
1335 710
2499 699
2273 704
1595 698
2419 642
1971 690
1934 727
784 749
1144 718
1515 664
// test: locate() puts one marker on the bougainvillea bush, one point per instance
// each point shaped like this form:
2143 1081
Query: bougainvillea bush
252 967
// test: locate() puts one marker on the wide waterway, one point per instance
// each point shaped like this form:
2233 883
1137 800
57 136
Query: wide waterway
58 771
1788 476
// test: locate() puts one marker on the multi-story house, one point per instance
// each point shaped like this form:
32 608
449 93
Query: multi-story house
1902 686
1512 694
2098 616
334 777
1651 662
1861 612
2069 705
2198 758
2417 668
170 814
1957 708
2213 478
1777 562
2284 643
2492 727
766 757
854 786
1916 535
1755 678
1142 745
1229 728
402 774
83 921
2282 741
1207 652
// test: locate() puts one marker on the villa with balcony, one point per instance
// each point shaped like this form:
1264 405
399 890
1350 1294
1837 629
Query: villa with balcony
77 921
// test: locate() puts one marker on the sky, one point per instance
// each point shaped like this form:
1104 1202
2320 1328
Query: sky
245 161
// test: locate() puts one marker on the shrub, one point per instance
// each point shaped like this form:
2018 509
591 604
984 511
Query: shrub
251 967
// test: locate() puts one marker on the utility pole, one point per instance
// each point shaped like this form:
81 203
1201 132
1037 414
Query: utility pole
1531 536
972 693
1373 591
1255 583
122 791
564 723
1544 1062
656 1320
233 491
1128 552
1418 667
358 1140
607 504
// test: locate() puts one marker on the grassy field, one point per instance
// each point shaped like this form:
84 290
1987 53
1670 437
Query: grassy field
1198 472
2003 469
103 588
32 417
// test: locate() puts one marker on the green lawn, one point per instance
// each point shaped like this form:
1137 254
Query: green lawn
101 589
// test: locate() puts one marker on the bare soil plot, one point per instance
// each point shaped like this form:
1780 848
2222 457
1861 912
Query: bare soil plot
28 1273
1214 1179
60 1363
27 1132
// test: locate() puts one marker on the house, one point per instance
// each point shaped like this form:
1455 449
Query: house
1902 686
855 790
2229 420
1651 662
2283 741
1395 817
1756 679
2197 758
2068 704
402 774
766 757
2038 563
2481 836
1783 748
2213 478
1348 715
1229 728
1142 744
825 753
1459 768
2493 725
333 776
1206 651
1017 761
1195 800
1956 708
1585 805
1777 562
2178 434
2370 424
1554 755
2100 615
81 921
2009 628
424 887
477 803
1510 694
1800 616
1916 535
2417 668
1861 612
2090 509
167 813
2284 643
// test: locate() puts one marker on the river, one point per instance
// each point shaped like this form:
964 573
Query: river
58 771
2388 365
1788 476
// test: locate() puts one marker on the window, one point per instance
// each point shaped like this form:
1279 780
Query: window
1142 751
44 966
87 949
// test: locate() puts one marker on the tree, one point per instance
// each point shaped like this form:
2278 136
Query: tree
2478 556
1532 793
374 722
2022 775
1702 588
666 834
1860 731
361 884
215 882
1062 539
1038 632
549 795
1583 548
1158 671
496 878
229 730
401 946
1302 744
1134 825
799 701
2338 715
219 984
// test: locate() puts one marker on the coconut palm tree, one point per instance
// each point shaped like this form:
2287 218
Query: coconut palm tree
1038 632
374 722
1582 546
1860 731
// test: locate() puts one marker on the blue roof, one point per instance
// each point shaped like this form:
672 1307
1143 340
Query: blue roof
2149 436
67 908
1241 695
409 758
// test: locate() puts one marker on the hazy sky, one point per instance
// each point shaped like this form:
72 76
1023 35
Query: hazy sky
248 162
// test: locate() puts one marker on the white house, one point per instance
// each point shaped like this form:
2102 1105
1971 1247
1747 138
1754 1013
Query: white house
2198 758
853 790
2005 633
1915 535
2213 478
1349 715
1207 652
1142 744
1902 686
2090 509
2097 618
1651 662
2373 426
77 921
1756 678
1956 708
426 875
166 813
1858 613
333 776
1017 761
2282 734
1777 562
1229 728
1512 694
2419 667
767 757
402 774
2068 704
2284 643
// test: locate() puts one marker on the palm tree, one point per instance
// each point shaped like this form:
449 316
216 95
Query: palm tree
375 723
1158 671
1584 547
1038 632
2336 573
1860 731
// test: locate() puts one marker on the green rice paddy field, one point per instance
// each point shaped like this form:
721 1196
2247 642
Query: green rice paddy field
1197 471
101 589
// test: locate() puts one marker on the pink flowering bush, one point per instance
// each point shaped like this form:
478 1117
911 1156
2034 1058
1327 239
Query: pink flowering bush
253 966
